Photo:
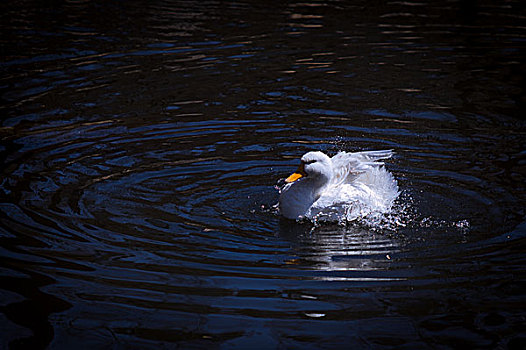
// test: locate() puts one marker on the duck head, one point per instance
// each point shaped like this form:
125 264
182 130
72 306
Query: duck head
314 167
305 185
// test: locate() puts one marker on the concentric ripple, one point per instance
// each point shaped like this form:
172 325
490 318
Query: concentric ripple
142 145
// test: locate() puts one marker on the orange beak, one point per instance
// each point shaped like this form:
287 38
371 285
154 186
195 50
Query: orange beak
293 177
297 175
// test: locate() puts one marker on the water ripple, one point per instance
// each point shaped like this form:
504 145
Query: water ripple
142 145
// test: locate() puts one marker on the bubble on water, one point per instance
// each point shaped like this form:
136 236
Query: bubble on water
464 224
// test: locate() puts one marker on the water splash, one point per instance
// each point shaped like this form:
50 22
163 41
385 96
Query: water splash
403 215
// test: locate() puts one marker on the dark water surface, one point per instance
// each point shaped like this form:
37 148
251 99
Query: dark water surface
142 142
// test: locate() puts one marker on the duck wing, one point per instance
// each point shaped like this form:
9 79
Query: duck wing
348 166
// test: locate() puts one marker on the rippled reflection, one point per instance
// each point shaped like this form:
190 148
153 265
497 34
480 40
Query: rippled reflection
348 254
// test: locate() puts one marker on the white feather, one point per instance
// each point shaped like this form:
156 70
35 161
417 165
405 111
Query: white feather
344 187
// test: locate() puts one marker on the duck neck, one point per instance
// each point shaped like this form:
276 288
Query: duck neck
317 185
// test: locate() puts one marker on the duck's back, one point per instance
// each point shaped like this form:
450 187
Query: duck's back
348 166
360 185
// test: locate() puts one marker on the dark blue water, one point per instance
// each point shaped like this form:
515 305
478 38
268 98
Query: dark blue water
141 143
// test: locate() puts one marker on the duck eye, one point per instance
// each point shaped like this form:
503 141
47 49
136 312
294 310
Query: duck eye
309 162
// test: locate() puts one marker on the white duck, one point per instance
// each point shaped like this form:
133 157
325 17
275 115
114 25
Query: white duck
344 187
